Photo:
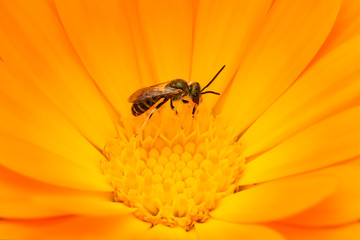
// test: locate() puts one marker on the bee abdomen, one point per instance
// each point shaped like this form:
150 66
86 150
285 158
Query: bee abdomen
139 108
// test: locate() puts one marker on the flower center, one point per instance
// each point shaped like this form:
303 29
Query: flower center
173 172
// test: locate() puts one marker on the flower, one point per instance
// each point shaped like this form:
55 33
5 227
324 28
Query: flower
275 156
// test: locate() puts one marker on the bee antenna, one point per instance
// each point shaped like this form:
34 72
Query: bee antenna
210 92
213 78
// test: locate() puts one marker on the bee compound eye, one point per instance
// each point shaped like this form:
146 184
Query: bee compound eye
196 100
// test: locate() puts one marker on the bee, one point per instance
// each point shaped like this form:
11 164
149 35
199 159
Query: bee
175 90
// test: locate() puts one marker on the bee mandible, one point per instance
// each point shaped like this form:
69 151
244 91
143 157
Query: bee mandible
175 90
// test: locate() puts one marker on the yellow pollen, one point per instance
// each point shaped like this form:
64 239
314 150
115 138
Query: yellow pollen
176 170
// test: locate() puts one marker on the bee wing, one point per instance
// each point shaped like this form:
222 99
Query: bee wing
157 90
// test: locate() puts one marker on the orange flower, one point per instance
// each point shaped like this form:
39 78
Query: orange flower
275 156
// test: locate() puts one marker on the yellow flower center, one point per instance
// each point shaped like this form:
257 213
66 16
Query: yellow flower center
173 172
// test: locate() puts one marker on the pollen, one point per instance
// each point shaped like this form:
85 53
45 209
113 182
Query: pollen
177 169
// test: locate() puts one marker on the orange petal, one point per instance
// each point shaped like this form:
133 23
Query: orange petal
349 232
342 207
77 227
222 32
274 200
347 26
355 161
36 121
24 209
101 36
327 87
161 232
215 229
291 36
330 141
64 203
167 32
40 164
16 193
23 197
36 50
90 204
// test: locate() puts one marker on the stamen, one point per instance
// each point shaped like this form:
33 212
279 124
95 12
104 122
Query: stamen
174 175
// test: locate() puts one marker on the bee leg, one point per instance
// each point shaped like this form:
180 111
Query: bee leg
151 113
185 101
157 107
193 111
172 107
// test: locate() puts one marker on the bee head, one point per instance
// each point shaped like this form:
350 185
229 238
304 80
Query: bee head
195 92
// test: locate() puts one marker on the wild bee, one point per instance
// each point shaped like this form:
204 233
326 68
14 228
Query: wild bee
175 90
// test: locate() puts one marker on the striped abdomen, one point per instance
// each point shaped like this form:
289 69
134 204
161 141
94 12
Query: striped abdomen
141 107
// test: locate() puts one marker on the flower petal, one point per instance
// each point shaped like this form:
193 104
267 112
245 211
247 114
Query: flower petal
319 93
36 121
167 32
35 128
214 229
222 32
101 36
291 36
77 227
36 50
274 200
49 167
330 141
355 161
342 207
347 26
161 232
15 192
22 197
349 232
